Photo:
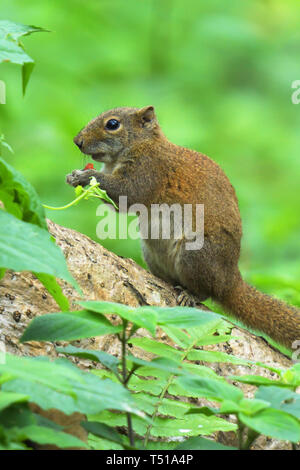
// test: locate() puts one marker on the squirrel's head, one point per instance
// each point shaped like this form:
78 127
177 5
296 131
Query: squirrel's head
106 136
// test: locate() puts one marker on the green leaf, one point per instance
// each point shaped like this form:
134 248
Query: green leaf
193 425
7 399
99 443
200 443
206 410
140 316
43 371
215 356
26 73
108 360
212 389
95 190
45 435
155 347
291 376
293 408
16 30
19 197
11 48
274 395
215 339
281 398
246 406
257 380
178 336
119 419
273 423
160 363
54 289
68 326
43 395
27 247
102 430
229 407
107 307
173 407
185 317
17 415
75 390
10 51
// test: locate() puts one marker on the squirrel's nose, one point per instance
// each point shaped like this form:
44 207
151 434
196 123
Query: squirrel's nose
78 141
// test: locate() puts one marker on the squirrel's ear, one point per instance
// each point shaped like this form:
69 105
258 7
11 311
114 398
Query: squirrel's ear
147 114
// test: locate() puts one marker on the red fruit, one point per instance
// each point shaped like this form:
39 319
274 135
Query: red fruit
89 166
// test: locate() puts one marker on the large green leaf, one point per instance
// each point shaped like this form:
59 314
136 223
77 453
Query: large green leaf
46 435
11 48
148 317
53 375
201 443
257 380
10 51
185 317
68 326
193 425
21 200
7 399
19 197
160 363
59 384
108 360
43 395
18 415
54 289
212 389
246 406
27 247
273 423
281 398
16 30
155 347
215 356
142 317
102 430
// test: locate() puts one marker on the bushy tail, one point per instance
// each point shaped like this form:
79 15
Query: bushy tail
264 313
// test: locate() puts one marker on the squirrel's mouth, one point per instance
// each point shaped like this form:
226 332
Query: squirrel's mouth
101 157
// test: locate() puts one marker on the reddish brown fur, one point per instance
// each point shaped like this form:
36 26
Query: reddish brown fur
143 165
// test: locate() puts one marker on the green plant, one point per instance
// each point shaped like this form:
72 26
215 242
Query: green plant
155 385
25 242
12 49
93 190
59 385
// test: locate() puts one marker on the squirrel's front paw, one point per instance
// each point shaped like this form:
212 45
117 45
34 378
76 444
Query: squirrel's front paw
78 177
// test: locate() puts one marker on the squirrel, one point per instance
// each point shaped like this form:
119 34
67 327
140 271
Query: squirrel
143 165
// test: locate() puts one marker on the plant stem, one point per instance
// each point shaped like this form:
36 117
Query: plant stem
124 381
252 435
164 391
67 205
240 431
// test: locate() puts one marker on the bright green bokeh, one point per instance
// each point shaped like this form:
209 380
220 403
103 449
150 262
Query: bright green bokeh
219 74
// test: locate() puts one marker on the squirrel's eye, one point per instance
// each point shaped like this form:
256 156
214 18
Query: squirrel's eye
112 124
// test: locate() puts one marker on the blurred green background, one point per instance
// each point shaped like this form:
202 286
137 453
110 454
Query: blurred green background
219 75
